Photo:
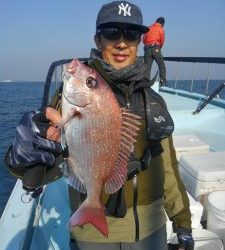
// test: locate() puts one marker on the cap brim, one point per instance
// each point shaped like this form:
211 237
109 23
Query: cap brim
138 27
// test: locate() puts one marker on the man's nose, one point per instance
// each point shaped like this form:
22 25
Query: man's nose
121 43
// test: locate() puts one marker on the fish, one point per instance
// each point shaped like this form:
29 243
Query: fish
100 136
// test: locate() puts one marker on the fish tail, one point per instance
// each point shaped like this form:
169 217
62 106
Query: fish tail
89 214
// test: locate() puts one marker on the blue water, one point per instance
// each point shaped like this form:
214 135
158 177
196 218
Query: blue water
17 98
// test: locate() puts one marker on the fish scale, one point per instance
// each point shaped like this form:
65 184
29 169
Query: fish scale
100 136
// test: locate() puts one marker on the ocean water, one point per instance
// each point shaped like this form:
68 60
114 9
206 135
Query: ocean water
19 97
16 98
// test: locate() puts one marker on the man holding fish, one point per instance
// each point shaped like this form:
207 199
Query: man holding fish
121 163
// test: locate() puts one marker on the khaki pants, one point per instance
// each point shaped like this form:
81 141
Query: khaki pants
155 241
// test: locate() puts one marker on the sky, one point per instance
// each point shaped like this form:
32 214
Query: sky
34 33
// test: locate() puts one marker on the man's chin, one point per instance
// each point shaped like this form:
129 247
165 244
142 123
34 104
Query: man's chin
120 64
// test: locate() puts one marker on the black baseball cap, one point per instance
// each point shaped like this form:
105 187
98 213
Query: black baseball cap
121 14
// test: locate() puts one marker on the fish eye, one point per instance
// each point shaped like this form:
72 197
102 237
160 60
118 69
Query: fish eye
91 82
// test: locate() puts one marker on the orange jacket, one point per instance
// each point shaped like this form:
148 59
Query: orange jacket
155 35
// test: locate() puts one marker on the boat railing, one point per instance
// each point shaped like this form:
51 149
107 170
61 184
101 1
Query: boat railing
56 68
195 61
54 75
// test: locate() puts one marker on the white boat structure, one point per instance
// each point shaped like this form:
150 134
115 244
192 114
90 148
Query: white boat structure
199 139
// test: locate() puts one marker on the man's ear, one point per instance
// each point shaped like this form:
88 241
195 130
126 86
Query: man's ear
98 41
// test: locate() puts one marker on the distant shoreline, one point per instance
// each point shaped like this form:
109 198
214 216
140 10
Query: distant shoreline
21 81
6 81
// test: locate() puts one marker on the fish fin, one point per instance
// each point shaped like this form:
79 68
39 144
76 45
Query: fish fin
88 214
63 122
130 126
76 183
74 180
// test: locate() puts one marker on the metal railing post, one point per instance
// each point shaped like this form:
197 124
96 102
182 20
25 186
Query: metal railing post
177 71
192 80
56 78
208 78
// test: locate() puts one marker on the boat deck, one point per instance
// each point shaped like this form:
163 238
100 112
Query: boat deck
208 125
48 228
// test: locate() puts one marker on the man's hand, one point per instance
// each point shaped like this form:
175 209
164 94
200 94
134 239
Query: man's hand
185 241
36 140
53 132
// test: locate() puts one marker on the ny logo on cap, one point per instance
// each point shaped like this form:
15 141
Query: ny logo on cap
125 9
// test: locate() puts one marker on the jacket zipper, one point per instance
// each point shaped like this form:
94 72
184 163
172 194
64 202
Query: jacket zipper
135 198
135 190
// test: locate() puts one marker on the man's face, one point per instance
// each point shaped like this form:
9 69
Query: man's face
118 53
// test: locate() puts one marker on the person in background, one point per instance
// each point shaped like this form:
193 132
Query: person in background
136 213
153 42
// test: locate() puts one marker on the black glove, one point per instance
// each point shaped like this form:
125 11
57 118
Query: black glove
185 239
31 155
29 147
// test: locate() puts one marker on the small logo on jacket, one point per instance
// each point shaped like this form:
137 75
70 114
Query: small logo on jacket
125 9
159 119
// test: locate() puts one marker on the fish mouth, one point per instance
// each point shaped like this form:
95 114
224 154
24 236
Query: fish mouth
80 105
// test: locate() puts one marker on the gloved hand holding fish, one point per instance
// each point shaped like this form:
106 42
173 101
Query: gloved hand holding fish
100 136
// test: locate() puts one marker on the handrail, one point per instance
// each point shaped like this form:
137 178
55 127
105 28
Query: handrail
49 76
210 60
217 60
194 60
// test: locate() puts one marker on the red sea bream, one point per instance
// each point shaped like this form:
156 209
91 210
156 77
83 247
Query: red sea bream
100 137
